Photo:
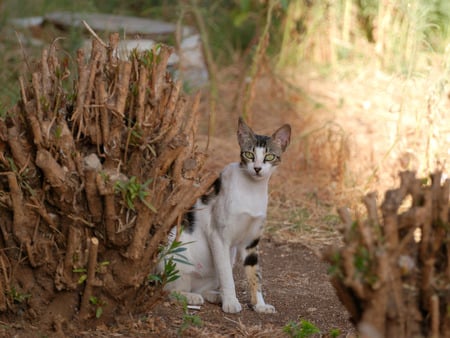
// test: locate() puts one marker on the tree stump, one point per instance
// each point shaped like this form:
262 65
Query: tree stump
393 275
94 171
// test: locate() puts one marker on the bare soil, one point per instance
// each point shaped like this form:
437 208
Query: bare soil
295 281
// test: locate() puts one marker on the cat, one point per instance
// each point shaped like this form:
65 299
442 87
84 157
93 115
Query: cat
228 221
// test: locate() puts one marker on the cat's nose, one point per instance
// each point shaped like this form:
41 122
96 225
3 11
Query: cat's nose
257 169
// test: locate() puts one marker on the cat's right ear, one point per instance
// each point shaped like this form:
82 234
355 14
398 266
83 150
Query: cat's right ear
244 132
282 136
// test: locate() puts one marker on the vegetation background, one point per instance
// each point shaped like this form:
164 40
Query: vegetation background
399 36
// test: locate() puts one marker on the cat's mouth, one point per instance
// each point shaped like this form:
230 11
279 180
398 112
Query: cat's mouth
258 176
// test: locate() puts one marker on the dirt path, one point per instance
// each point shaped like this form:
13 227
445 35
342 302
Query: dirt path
295 281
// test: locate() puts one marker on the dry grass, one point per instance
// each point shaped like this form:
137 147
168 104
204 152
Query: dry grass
353 133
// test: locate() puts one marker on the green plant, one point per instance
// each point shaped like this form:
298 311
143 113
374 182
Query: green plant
334 269
300 330
334 333
363 262
188 319
300 217
83 277
83 271
17 296
98 303
131 190
332 220
171 255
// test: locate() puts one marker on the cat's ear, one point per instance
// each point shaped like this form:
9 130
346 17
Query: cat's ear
282 136
244 132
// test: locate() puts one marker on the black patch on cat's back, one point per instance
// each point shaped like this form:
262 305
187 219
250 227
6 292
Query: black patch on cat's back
189 221
251 259
213 191
189 217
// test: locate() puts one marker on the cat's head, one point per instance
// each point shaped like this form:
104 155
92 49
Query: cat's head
261 154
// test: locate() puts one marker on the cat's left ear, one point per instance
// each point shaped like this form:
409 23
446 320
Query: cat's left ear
282 136
244 132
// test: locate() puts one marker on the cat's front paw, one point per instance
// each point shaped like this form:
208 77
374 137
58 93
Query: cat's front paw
231 306
264 308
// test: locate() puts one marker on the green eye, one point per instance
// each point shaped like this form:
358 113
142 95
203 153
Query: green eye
270 157
248 155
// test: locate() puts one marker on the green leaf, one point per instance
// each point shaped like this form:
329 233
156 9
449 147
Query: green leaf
284 4
98 312
182 261
155 278
79 270
148 205
245 5
178 249
240 18
82 279
172 278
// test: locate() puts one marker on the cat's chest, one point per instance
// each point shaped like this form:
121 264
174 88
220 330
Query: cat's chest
247 203
243 197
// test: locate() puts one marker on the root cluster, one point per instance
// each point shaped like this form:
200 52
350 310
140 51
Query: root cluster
393 273
94 171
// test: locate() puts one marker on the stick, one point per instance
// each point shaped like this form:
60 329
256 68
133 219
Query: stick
435 317
370 201
53 172
36 80
90 281
142 94
92 167
94 34
346 218
123 84
20 218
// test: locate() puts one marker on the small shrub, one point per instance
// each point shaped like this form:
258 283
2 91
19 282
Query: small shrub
303 329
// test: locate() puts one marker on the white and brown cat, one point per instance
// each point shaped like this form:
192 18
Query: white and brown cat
228 221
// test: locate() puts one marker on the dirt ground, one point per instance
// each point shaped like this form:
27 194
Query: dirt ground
350 136
294 279
295 282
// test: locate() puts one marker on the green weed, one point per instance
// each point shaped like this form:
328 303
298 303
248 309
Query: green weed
300 218
303 329
99 304
171 255
132 189
83 275
83 271
334 333
188 319
17 296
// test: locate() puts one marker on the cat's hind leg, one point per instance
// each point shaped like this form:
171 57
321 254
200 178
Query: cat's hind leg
208 287
191 297
212 296
252 270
